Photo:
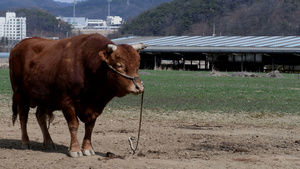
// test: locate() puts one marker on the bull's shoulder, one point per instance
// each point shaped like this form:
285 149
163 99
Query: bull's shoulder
95 43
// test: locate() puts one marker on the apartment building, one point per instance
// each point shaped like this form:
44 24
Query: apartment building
12 27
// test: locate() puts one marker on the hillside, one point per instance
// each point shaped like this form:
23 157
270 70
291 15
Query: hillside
230 17
14 4
96 9
183 17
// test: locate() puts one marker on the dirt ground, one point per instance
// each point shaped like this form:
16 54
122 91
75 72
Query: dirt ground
4 63
168 140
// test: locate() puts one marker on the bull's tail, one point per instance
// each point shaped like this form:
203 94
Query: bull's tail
14 110
16 64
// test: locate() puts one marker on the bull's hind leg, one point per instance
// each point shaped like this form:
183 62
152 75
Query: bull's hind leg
87 144
23 110
42 116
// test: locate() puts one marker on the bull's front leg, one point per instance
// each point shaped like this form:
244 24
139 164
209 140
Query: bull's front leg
72 120
87 143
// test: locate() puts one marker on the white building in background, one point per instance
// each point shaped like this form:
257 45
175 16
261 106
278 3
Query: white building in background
97 24
76 22
111 22
114 20
12 27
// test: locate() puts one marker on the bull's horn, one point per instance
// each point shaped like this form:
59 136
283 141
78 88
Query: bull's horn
139 46
111 47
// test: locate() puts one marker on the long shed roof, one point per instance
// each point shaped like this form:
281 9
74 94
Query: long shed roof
248 44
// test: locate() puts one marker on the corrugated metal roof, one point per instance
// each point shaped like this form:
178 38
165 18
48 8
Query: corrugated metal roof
283 44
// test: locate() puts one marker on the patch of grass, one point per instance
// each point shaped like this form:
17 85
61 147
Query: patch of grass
5 91
173 91
5 87
183 91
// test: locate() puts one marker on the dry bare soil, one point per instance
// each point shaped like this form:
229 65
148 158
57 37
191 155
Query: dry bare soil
174 140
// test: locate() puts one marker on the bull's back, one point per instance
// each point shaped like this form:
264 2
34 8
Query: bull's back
42 69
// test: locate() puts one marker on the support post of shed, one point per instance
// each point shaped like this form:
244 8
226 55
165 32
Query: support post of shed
242 62
206 63
272 63
183 60
155 63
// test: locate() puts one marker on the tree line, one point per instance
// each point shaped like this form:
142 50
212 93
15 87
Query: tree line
230 18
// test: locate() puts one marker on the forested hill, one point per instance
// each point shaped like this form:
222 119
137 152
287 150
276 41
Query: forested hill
98 9
93 9
14 4
230 17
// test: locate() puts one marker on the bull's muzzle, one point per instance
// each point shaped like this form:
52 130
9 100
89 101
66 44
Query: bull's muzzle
139 87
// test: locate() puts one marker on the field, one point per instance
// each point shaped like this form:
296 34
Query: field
191 120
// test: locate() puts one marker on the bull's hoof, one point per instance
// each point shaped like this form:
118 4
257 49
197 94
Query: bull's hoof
88 152
75 154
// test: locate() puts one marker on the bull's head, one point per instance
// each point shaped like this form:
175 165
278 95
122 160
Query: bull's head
124 62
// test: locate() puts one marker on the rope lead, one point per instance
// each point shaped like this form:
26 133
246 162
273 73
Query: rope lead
140 124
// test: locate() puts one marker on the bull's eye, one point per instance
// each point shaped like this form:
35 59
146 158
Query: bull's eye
119 65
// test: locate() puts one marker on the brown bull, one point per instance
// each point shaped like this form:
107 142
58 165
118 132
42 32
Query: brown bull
77 75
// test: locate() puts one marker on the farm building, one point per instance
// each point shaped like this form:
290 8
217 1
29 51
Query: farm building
224 53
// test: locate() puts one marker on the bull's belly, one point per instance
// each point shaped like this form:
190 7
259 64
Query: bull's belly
39 97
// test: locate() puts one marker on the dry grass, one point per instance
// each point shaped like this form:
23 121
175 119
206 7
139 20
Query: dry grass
244 74
217 73
275 74
4 63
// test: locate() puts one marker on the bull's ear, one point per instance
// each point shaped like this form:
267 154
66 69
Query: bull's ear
103 55
139 46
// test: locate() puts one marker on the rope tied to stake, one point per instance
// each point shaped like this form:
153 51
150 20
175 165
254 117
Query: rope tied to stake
139 131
